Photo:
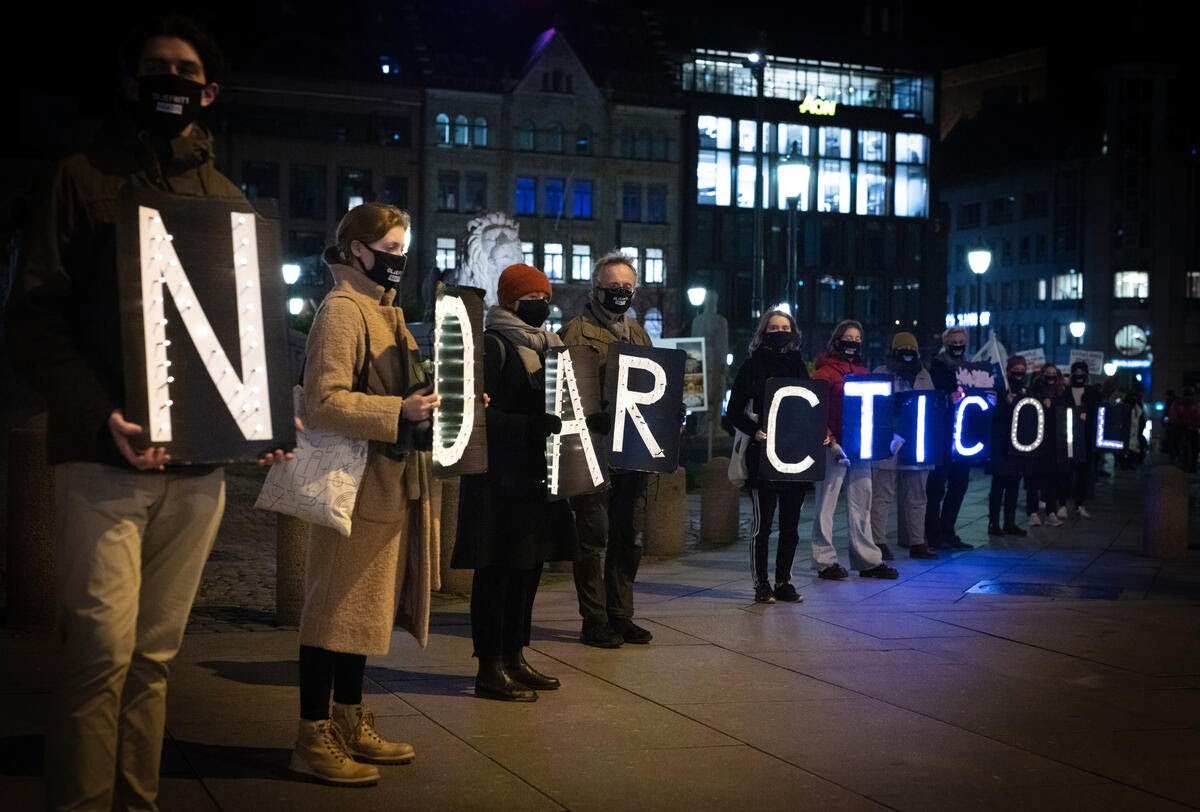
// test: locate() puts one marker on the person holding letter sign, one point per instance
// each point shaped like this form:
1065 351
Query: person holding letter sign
506 528
1008 468
1085 398
842 357
132 535
947 483
888 476
774 353
609 554
1041 486
358 587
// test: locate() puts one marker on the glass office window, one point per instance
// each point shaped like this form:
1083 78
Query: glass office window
831 298
835 142
833 186
912 191
1131 285
872 145
747 172
714 132
912 148
746 136
794 138
872 189
1066 286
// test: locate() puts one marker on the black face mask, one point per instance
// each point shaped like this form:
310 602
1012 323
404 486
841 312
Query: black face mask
956 350
533 312
1051 379
615 301
167 104
849 349
1016 380
1078 380
777 341
906 360
388 269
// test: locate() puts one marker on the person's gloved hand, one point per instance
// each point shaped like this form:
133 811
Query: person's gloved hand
897 442
600 423
543 425
839 455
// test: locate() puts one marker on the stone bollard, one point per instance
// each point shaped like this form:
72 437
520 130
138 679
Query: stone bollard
458 581
666 516
1165 513
718 505
30 544
291 553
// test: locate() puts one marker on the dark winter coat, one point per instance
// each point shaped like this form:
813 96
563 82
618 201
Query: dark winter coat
749 387
834 369
504 519
63 323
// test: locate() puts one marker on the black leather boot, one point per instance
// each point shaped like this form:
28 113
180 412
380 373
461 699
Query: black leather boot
493 682
526 674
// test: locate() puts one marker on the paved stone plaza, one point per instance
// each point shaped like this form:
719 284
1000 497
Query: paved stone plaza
1059 671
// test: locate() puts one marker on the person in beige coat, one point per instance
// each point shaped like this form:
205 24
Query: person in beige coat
358 588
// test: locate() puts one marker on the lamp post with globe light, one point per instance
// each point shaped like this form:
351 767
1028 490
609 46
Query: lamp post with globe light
1077 329
979 261
757 64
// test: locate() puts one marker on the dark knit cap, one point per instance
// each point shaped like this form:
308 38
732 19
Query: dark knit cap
520 280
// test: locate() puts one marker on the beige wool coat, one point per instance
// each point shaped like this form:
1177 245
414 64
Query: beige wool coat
358 588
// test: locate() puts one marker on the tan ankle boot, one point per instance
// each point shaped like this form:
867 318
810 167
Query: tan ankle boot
321 755
363 742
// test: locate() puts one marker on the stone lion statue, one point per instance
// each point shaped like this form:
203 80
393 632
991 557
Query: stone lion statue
493 244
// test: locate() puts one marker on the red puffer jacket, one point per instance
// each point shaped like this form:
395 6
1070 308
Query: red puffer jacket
834 369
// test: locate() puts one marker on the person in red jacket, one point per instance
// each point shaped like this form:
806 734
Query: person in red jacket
842 357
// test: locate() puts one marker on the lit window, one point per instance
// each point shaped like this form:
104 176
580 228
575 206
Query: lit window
554 197
912 191
447 254
654 270
653 322
834 142
479 134
746 136
581 262
872 145
833 186
912 148
462 131
1066 286
526 196
745 181
713 171
581 192
1041 290
632 253
1131 285
872 197
442 128
552 258
527 254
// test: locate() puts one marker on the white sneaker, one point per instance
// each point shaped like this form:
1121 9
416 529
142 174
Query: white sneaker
1035 520
1053 520
1062 512
1083 512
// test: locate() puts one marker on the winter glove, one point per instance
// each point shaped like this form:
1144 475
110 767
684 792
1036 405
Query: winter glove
543 425
600 423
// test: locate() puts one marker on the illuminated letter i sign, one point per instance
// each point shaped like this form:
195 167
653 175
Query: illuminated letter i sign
244 396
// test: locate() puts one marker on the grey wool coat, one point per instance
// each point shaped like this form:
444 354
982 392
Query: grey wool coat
358 588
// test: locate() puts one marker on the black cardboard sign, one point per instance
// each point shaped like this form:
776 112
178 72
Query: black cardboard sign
575 457
644 389
795 417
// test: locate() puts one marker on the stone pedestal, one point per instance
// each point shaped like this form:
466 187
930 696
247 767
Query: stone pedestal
718 505
291 552
30 544
1165 513
458 581
666 514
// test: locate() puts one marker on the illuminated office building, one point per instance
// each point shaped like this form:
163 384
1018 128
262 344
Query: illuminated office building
846 153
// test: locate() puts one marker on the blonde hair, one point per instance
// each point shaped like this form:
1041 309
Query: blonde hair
369 223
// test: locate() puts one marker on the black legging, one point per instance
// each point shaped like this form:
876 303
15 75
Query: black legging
1003 491
790 499
502 609
322 669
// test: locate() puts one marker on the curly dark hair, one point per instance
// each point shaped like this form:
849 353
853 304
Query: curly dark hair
180 27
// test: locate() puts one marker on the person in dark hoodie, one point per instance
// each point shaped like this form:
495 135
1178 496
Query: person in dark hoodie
947 484
774 353
132 538
1041 486
1007 468
888 476
1086 398
842 357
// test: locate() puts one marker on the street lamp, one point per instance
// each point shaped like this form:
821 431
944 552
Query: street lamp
696 296
979 261
1077 328
757 63
291 273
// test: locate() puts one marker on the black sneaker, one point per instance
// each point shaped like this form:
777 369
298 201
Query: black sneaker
834 572
995 530
763 594
786 592
629 631
600 635
1013 530
882 571
956 543
922 552
885 551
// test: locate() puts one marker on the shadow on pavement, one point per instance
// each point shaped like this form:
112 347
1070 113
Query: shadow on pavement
275 672
420 682
227 761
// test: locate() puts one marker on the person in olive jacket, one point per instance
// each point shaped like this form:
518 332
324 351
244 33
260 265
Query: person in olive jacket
774 353
506 528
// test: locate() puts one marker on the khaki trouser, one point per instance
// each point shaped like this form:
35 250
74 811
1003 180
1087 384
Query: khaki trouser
131 549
